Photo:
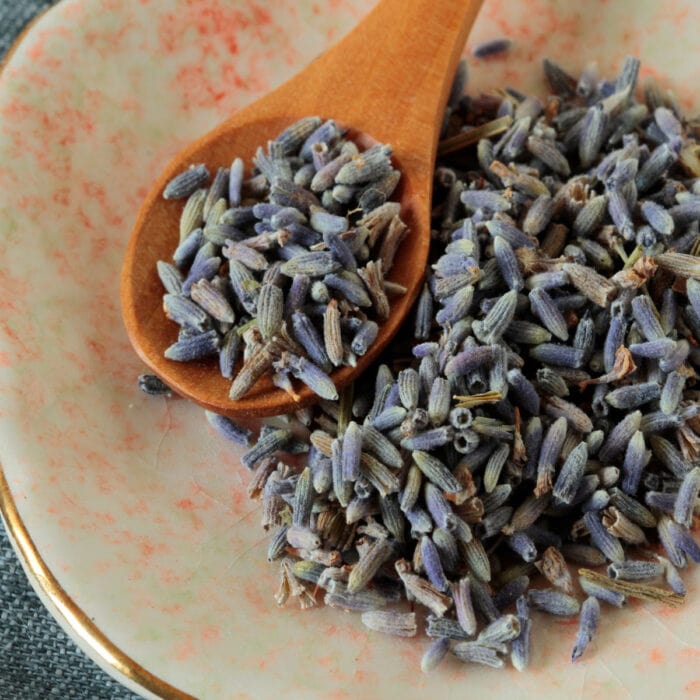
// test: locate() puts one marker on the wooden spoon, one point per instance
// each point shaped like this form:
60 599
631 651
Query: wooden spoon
388 80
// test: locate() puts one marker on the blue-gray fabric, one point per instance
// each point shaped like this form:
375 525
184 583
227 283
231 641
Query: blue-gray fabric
37 660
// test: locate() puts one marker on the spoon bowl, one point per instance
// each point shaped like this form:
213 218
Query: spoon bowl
388 81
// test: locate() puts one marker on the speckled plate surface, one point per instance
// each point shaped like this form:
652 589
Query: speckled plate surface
130 514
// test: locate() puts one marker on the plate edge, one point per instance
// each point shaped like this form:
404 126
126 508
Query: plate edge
68 613
72 617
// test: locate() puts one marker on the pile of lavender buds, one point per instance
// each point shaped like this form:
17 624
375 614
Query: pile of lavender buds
285 268
539 411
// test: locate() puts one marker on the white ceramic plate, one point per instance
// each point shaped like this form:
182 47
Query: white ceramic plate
129 512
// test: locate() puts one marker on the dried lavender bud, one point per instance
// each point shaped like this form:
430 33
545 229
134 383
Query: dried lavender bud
559 355
186 183
620 435
492 47
429 439
153 386
424 314
553 602
539 215
575 417
559 80
636 570
636 458
409 388
657 217
545 309
593 286
672 576
524 392
309 338
311 375
194 347
434 654
588 624
186 312
672 392
654 167
569 477
368 565
522 544
608 544
686 497
511 591
520 646
507 264
592 134
669 456
436 472
654 349
485 199
497 320
472 652
503 629
229 429
646 317
549 453
468 360
591 216
389 622
432 564
633 395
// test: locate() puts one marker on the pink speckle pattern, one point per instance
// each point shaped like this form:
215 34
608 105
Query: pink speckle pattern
137 507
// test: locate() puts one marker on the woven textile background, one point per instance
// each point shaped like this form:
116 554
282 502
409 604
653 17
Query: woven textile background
37 660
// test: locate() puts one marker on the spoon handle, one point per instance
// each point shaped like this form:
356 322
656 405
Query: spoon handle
398 66
390 77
